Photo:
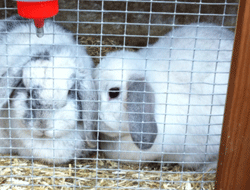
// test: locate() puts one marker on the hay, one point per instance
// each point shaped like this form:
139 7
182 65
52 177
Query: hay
92 44
17 173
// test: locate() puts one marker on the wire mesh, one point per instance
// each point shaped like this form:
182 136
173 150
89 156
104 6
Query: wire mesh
146 115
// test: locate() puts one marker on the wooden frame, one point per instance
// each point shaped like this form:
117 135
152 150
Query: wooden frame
233 170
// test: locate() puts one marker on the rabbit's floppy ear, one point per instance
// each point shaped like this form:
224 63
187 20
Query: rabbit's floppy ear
140 107
9 79
88 97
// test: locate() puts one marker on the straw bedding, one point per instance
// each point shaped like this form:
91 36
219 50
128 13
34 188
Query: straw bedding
17 173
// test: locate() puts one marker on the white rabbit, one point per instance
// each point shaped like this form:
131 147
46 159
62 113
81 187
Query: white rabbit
47 94
180 83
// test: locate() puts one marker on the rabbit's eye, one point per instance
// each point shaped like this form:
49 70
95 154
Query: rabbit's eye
114 92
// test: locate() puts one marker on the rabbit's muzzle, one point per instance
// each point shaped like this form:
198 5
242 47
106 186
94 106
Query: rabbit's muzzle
40 119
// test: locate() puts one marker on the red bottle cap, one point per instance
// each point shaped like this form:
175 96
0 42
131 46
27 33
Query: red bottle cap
37 10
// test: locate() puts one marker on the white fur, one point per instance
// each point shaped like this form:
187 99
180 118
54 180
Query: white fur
171 101
54 133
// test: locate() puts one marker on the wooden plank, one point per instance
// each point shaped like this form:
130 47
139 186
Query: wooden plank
233 170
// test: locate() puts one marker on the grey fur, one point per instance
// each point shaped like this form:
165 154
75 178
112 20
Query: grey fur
14 22
30 113
9 79
42 55
73 94
86 93
35 98
142 134
35 93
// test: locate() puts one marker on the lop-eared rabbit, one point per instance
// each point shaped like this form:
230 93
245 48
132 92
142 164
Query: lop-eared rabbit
47 95
166 102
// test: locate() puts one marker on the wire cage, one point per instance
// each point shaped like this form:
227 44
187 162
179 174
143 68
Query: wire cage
116 95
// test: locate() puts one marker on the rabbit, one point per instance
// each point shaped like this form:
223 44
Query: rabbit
48 102
160 104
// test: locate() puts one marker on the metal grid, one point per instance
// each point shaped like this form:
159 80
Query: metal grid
103 27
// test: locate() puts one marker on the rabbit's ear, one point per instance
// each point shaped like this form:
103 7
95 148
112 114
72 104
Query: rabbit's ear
88 97
8 80
140 107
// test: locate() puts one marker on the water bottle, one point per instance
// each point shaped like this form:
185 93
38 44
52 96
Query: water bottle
38 10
